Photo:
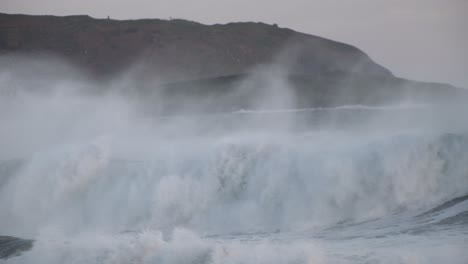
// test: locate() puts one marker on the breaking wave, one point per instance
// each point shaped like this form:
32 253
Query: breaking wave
238 198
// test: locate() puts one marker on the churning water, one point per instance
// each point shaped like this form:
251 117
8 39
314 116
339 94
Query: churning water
325 195
89 182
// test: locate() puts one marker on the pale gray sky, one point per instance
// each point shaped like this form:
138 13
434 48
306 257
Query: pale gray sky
418 39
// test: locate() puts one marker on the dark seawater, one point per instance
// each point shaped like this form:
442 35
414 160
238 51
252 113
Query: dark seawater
344 185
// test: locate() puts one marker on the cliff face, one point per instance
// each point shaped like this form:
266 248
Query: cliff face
178 49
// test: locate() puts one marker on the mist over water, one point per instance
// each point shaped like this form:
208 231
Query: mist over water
96 173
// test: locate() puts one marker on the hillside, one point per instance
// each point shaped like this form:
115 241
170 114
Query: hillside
199 61
177 49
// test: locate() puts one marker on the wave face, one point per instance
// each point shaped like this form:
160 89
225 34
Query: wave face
235 184
249 196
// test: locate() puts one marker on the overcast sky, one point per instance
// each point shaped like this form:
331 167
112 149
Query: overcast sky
417 39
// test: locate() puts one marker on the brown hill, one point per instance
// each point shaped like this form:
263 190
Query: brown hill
209 67
177 49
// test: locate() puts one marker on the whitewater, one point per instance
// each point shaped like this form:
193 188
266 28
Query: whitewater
87 179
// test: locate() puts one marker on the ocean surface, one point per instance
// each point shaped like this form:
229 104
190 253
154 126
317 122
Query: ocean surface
353 184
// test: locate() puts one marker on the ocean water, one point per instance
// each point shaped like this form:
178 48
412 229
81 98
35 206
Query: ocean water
352 184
